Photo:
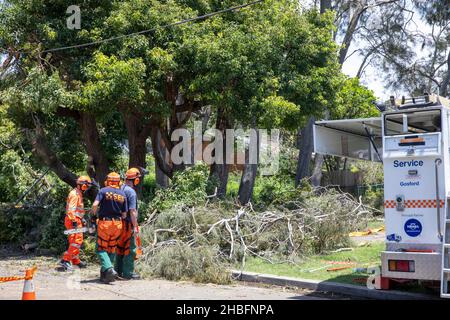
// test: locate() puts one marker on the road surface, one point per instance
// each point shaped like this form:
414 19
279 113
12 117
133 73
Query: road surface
84 285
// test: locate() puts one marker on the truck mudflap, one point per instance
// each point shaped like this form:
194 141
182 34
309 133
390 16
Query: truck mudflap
411 265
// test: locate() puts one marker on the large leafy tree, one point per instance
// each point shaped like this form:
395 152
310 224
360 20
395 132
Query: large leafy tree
273 58
350 17
44 85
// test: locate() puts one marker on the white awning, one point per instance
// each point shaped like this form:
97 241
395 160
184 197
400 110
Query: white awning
356 126
350 138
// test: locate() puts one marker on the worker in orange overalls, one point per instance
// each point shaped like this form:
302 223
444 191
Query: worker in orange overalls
74 220
113 208
128 248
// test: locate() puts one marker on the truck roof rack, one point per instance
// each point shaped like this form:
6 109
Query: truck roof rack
416 102
424 101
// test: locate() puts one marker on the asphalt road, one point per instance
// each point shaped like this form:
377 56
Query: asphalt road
84 285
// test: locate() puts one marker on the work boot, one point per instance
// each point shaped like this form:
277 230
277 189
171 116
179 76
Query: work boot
81 265
65 265
102 277
118 276
108 275
133 276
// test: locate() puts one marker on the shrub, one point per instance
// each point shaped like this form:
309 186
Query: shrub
372 171
19 225
374 198
88 252
183 262
234 181
274 190
53 237
188 187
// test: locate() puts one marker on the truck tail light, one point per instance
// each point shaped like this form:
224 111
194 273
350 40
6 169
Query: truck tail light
401 265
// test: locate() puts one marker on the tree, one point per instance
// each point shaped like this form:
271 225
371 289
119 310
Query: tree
270 57
45 84
230 63
271 64
350 18
409 58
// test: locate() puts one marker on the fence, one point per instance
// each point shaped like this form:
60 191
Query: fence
361 190
343 178
349 182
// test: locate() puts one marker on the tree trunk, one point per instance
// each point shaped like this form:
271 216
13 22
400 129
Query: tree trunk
162 180
98 166
249 174
306 144
205 118
137 144
317 172
318 161
137 133
138 152
221 170
137 156
443 89
325 5
305 153
160 154
349 34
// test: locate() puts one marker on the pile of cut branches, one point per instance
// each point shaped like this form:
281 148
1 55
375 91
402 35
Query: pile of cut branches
184 242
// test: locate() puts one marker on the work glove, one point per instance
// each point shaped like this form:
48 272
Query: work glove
74 225
93 224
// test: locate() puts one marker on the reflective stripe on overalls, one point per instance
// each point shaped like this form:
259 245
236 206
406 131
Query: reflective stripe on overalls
108 234
74 205
74 213
123 245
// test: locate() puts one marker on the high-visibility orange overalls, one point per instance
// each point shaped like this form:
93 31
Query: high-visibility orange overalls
74 213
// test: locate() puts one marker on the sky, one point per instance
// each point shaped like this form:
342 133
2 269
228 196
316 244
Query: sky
371 78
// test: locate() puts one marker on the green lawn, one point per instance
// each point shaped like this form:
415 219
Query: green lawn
375 224
315 267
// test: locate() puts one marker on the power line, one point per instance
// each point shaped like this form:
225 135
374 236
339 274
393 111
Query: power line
205 16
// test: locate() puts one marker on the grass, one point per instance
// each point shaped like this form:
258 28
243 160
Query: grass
315 267
233 184
373 224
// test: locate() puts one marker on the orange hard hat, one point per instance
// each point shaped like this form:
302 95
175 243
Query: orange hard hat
133 173
113 178
84 183
84 180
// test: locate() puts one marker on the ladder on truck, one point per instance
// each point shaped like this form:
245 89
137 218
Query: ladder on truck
445 270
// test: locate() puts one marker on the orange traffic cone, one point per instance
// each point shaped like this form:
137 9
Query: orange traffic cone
28 287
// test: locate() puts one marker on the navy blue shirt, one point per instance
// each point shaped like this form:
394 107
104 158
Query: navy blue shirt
131 199
112 202
131 196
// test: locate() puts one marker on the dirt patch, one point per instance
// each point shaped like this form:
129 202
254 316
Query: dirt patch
374 237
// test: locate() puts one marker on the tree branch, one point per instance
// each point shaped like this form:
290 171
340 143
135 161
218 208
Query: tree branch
41 149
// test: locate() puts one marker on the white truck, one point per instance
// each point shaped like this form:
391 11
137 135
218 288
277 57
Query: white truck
411 139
